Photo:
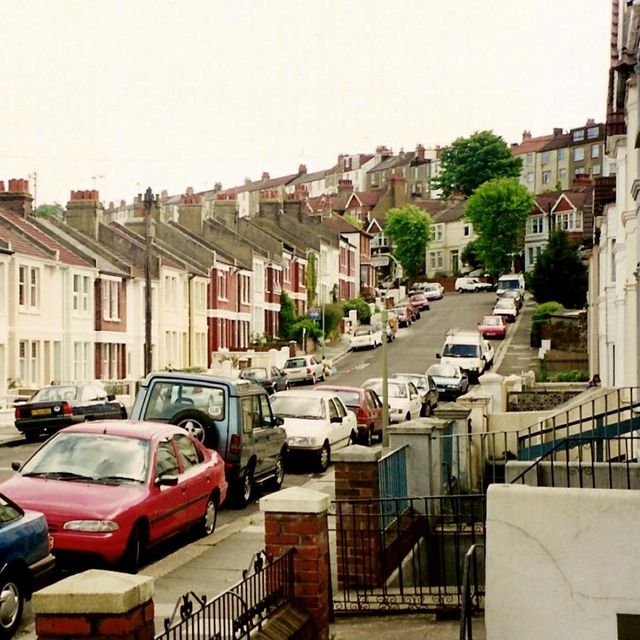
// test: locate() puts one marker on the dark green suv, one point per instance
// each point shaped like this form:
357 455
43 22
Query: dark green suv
233 417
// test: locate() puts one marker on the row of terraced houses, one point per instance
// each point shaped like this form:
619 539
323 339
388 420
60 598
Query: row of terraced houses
72 290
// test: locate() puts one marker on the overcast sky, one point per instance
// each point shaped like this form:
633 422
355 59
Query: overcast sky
122 94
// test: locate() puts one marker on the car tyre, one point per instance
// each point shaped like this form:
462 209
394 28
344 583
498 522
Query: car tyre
367 440
244 488
210 517
11 604
197 424
134 553
31 436
278 477
324 457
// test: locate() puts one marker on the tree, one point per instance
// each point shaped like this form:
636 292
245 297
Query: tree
287 314
469 162
559 273
409 229
54 210
469 255
498 211
353 219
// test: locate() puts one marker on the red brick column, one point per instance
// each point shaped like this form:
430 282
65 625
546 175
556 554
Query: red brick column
96 605
359 544
297 518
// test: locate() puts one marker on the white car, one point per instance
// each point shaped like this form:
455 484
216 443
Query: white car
506 307
366 337
433 290
405 402
472 284
488 353
316 422
304 369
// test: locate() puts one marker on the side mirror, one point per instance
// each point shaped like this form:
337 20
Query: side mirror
15 465
278 421
438 356
336 419
167 481
111 397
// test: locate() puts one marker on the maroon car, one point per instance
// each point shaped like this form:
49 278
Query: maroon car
367 406
405 315
419 301
493 327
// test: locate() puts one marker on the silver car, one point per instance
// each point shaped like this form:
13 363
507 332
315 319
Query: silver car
304 369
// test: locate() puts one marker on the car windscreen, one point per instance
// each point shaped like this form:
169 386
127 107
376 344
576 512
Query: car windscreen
298 407
55 394
90 457
505 303
508 284
442 371
461 350
395 389
419 381
350 398
295 362
362 332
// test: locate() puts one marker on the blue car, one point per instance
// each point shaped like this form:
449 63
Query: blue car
26 562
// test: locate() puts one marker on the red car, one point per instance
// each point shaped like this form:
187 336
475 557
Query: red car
493 327
419 301
405 315
367 406
110 490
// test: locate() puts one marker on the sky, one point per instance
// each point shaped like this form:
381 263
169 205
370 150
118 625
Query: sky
119 95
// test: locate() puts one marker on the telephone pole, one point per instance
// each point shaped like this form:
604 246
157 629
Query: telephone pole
149 202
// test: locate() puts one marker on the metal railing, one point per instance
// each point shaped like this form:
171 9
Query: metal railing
392 480
414 563
472 594
234 614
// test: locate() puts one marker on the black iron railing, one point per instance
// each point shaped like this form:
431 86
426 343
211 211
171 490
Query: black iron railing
234 614
412 563
472 593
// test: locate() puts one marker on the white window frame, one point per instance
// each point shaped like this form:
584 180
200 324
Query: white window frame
578 154
536 225
223 285
28 287
467 230
437 232
593 132
569 220
578 135
595 150
110 299
546 177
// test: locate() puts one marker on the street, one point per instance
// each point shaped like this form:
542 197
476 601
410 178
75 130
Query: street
413 351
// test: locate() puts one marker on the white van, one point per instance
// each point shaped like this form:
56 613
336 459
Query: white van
510 282
467 349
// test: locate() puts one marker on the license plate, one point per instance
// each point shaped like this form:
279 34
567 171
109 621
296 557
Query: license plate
40 412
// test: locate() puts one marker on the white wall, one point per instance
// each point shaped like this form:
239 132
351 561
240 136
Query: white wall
561 563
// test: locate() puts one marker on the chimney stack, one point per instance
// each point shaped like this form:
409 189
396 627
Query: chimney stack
17 198
526 135
345 186
420 153
85 212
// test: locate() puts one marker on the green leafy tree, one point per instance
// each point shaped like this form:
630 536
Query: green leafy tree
54 210
559 273
362 308
409 229
311 280
469 162
353 219
469 255
498 211
287 314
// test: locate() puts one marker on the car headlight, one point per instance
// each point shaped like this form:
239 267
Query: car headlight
305 441
92 526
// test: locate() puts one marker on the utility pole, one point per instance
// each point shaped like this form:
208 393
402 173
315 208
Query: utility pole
384 317
149 202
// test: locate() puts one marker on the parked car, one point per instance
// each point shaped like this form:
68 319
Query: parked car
426 388
493 327
433 290
317 422
365 337
420 302
56 406
510 282
233 417
111 490
516 294
467 349
404 314
404 399
271 378
387 333
505 307
471 284
450 379
306 368
26 562
367 406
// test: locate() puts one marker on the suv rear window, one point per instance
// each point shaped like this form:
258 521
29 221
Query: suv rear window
167 397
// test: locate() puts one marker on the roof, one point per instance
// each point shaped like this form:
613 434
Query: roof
23 226
449 210
530 145
339 224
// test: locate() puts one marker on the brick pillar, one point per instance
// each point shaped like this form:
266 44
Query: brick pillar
297 518
358 535
96 605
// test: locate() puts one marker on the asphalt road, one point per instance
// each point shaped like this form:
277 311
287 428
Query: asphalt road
414 350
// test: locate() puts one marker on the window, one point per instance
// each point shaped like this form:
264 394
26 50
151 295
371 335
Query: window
170 291
546 177
81 294
435 260
28 287
562 172
166 460
562 154
286 269
189 453
244 289
569 221
593 132
110 300
417 188
546 157
613 261
437 232
578 154
530 176
34 362
529 159
536 225
455 261
595 150
578 135
595 169
467 229
222 285
301 275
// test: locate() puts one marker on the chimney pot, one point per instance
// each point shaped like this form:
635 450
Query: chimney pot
265 175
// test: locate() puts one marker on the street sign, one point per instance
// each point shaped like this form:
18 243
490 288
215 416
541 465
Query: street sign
314 314
379 261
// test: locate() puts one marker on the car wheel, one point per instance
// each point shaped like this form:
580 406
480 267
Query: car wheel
210 517
134 553
244 488
313 378
368 437
196 423
11 604
324 457
287 386
278 475
323 377
428 411
31 436
408 416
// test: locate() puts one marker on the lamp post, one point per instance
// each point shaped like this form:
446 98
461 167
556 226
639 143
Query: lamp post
384 318
148 203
